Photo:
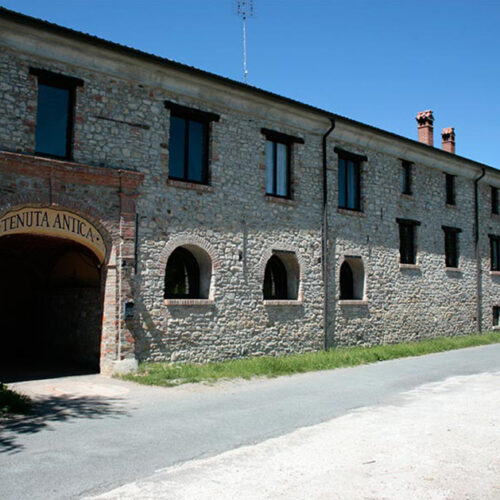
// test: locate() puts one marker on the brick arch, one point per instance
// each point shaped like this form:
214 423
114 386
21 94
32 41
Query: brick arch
359 265
200 243
268 253
110 336
300 263
109 232
183 240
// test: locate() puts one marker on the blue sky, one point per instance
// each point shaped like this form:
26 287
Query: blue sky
376 61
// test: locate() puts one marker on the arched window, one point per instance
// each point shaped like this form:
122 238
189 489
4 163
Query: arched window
275 280
182 275
352 279
346 282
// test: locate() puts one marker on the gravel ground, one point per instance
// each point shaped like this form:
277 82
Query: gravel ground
441 442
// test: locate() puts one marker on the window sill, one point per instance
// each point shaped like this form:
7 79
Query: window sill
415 267
66 158
189 302
282 302
494 273
407 196
453 269
353 302
282 201
347 211
454 206
190 185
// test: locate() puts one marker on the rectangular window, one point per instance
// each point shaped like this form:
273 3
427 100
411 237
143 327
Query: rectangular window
495 252
407 243
494 200
496 315
349 184
349 179
450 189
55 110
277 169
406 173
451 249
188 150
188 143
278 162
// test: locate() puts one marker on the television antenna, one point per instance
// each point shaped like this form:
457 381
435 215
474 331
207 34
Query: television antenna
245 10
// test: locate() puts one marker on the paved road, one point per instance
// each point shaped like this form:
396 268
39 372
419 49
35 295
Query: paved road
441 443
93 434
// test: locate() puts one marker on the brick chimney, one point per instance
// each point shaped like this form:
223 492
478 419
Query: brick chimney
425 122
448 144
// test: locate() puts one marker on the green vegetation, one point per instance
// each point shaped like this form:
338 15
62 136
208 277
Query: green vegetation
13 402
170 374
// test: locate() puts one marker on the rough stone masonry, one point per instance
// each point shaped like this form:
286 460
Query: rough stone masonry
337 239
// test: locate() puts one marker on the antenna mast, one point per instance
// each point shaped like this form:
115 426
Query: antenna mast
245 9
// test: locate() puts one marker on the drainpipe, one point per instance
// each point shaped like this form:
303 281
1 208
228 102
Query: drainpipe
119 270
476 249
324 234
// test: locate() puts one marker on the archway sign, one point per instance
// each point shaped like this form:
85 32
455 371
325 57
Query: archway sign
53 222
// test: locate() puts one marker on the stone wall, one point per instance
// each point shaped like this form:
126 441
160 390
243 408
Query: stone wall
124 124
489 281
121 123
402 302
238 226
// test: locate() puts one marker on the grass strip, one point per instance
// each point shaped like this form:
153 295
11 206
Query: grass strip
172 374
13 402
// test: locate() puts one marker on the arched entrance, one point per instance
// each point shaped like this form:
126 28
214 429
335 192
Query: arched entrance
51 295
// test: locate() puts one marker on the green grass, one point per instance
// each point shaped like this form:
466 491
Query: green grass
170 374
13 402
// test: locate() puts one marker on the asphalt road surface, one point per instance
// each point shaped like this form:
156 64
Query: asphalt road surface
92 434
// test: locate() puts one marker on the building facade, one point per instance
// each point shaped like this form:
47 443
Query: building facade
152 211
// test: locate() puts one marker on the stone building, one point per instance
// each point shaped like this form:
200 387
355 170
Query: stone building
153 211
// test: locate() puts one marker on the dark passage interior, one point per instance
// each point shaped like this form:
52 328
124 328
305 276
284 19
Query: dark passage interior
50 308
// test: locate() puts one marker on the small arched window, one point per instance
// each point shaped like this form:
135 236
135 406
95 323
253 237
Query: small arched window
275 280
182 275
346 282
352 279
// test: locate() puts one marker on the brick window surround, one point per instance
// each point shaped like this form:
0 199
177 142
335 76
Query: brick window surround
281 277
352 278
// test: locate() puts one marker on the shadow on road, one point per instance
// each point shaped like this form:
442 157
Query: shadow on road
50 409
23 371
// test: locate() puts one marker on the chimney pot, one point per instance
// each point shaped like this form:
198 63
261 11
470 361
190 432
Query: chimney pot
425 121
448 143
